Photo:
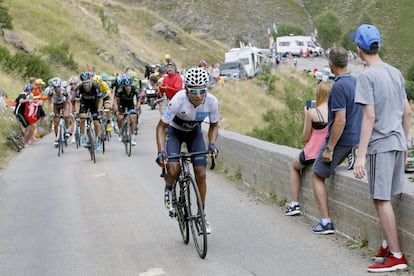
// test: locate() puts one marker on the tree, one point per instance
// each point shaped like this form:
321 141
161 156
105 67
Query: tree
329 28
289 28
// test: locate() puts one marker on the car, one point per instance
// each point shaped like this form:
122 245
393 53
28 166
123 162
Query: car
325 74
233 70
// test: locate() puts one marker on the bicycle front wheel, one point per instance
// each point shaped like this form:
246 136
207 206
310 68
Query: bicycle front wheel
196 217
91 145
127 140
181 212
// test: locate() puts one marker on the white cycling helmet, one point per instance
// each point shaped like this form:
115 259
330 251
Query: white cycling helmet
56 82
196 77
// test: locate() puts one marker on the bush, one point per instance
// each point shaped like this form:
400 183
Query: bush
409 83
285 126
59 54
5 18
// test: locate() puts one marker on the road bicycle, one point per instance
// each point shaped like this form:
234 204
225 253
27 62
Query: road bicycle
90 136
61 134
187 203
125 133
14 139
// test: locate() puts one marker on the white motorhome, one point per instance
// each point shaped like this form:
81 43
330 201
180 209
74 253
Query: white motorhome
295 44
251 57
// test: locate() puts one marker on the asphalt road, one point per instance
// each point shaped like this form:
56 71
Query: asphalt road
67 216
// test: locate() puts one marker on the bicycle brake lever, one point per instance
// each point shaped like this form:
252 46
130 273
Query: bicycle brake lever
213 163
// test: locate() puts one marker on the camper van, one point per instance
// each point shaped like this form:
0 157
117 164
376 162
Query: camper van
251 57
295 43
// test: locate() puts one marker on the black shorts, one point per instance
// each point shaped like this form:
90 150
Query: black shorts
84 107
194 141
22 120
40 112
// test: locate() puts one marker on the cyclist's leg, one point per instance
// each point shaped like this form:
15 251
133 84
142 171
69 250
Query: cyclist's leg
196 143
66 110
56 111
108 112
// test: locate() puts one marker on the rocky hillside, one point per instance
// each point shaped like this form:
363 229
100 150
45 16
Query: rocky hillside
188 30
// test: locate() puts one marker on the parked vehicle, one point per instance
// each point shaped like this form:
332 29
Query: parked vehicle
233 70
251 57
150 95
296 44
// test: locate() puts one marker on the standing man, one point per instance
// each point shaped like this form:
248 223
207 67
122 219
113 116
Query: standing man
384 131
172 82
344 121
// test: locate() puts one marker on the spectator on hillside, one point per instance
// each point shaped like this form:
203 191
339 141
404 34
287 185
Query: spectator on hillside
172 82
315 129
344 120
383 143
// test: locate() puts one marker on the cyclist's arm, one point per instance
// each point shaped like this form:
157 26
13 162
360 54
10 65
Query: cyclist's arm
116 100
161 132
213 132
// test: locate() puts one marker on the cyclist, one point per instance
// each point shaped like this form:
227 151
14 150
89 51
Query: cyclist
71 90
127 97
58 97
107 96
88 97
181 123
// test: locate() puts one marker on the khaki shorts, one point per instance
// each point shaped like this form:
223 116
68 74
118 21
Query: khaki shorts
385 174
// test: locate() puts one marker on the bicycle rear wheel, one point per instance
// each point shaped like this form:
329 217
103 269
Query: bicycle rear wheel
77 136
181 213
196 217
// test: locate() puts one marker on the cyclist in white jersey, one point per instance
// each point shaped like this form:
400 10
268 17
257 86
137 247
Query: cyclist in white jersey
181 123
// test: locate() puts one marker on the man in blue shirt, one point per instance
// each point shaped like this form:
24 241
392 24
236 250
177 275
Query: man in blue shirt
344 120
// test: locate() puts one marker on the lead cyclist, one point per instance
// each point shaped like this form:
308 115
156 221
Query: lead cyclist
181 123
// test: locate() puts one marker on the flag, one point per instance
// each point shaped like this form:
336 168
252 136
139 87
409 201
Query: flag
274 27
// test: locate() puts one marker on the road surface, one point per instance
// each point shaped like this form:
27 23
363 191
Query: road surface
67 216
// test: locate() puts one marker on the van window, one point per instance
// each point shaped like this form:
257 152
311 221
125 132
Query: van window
300 43
229 65
284 43
245 60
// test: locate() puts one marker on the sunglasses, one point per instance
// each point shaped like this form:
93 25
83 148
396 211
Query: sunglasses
197 91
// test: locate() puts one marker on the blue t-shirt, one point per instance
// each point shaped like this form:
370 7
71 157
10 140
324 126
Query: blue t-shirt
342 97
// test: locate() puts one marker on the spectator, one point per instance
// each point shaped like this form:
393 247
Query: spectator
344 119
26 112
315 129
172 82
384 134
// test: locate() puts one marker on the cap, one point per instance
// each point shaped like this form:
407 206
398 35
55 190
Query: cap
167 56
162 69
365 35
171 64
39 81
27 87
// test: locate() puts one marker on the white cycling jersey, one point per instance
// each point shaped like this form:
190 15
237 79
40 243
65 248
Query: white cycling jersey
181 113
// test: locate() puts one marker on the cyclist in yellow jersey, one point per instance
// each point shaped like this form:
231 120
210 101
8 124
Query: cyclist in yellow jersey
107 99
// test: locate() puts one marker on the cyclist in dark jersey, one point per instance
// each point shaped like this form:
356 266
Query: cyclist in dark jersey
88 98
127 98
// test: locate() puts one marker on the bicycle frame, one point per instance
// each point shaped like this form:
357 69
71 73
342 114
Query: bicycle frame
188 206
125 133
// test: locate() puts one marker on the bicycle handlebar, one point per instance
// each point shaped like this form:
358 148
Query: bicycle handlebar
186 155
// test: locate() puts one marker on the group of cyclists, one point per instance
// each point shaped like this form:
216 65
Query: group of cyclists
92 94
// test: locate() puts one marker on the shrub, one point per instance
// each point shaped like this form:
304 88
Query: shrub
59 54
284 127
5 18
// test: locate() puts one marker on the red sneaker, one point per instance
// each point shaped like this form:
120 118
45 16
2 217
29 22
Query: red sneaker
390 264
381 254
